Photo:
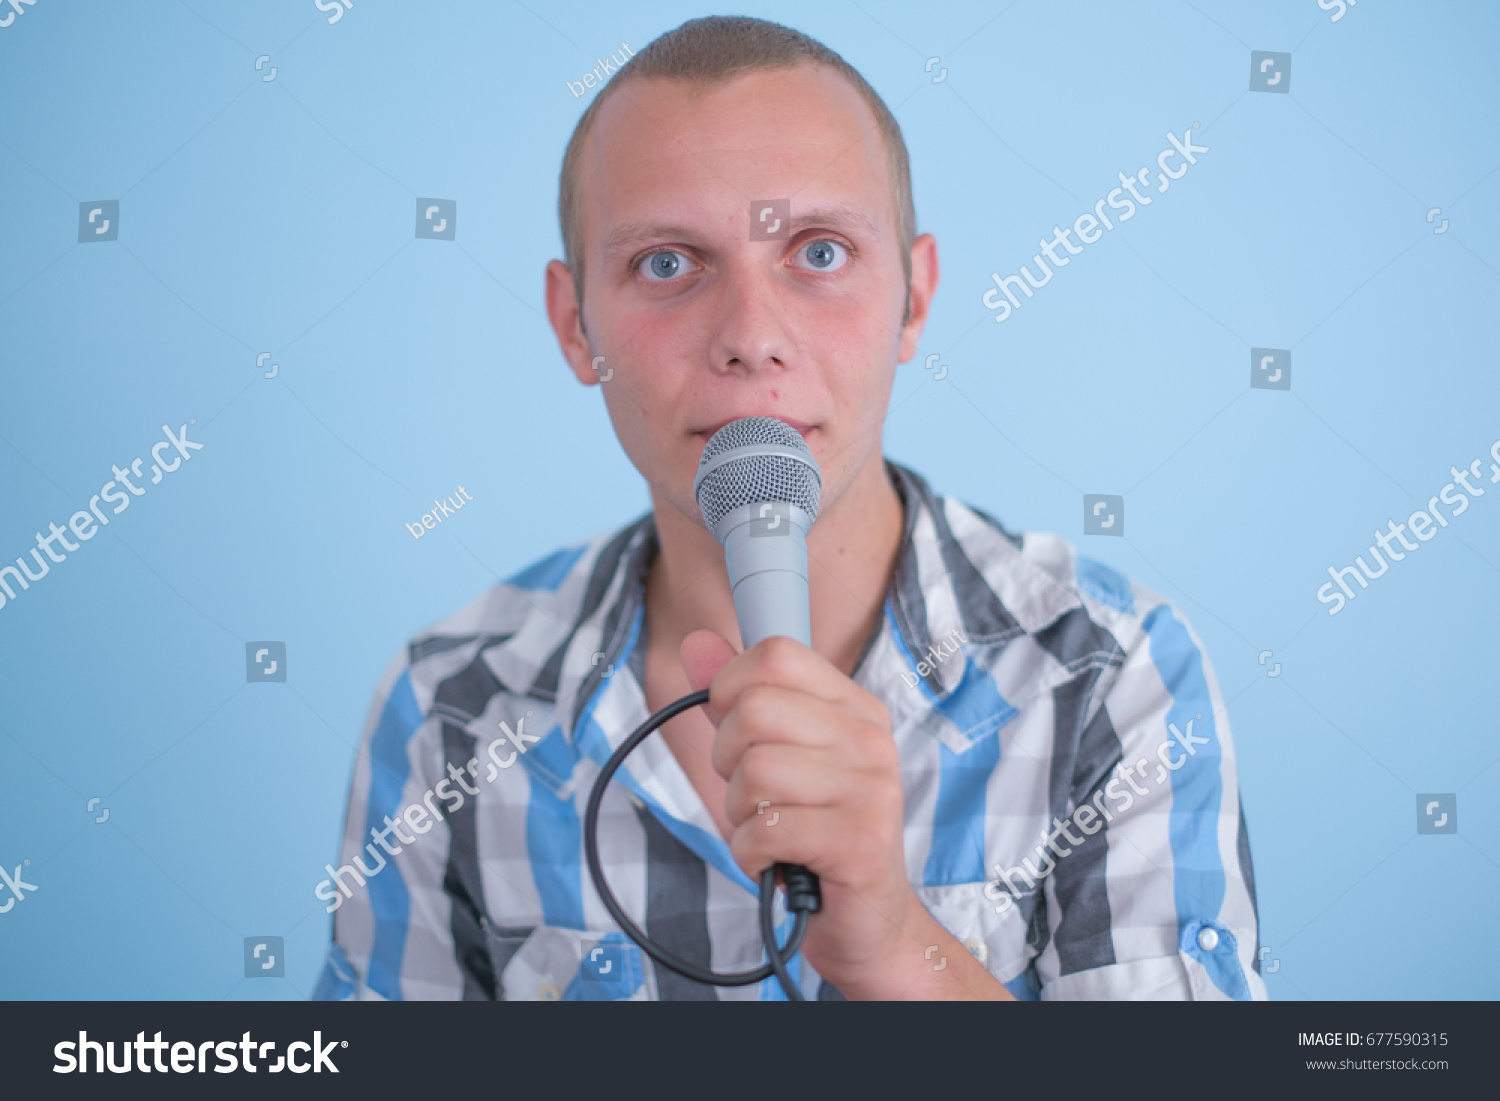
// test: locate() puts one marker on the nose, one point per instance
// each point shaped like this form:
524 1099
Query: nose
750 332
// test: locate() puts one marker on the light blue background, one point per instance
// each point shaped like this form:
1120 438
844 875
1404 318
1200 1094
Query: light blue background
278 217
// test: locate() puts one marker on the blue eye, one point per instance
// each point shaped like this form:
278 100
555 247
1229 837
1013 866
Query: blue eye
662 265
826 255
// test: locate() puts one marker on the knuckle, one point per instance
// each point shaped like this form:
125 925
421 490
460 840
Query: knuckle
779 657
881 751
757 768
757 706
725 747
746 847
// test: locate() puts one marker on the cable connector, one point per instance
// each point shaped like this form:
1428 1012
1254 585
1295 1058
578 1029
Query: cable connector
802 892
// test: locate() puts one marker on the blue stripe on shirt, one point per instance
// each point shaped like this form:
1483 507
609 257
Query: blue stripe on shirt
1099 582
976 708
958 821
1222 962
337 981
1198 881
390 901
1024 987
554 844
549 573
551 760
590 738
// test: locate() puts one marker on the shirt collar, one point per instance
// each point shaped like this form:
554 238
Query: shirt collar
935 590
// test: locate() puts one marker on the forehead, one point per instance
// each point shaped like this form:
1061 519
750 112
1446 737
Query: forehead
665 147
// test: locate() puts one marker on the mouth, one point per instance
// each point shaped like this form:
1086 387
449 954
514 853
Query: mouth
802 429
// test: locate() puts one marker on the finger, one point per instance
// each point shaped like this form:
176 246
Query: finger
776 777
784 662
703 654
785 716
792 840
819 838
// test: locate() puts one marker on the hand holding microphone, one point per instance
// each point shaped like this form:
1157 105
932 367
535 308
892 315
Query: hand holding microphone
794 735
759 488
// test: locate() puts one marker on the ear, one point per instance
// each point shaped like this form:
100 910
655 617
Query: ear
924 281
567 322
704 653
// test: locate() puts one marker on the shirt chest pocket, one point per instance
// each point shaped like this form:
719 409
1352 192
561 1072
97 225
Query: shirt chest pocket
552 964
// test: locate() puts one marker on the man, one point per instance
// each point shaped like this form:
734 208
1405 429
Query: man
952 754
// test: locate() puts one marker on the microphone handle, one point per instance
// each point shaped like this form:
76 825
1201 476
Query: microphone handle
765 548
765 553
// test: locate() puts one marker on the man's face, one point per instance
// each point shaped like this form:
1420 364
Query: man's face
697 322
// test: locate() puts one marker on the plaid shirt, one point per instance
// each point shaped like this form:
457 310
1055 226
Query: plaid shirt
1072 813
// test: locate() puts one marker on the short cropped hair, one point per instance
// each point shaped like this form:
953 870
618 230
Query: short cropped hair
709 51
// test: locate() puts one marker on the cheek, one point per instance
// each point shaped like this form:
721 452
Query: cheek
863 385
643 392
646 354
857 337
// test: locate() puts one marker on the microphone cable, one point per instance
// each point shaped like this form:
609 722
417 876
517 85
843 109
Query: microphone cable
802 893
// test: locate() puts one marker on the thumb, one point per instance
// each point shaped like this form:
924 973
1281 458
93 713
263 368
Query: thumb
704 653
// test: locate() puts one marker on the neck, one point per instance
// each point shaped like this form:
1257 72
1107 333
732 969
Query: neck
851 554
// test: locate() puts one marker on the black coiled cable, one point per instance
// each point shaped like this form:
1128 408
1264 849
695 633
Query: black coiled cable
802 895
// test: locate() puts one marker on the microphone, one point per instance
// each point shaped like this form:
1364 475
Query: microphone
758 487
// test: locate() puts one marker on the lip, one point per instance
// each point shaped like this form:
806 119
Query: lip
802 429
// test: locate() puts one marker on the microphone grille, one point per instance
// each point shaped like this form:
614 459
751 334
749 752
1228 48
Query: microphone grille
757 477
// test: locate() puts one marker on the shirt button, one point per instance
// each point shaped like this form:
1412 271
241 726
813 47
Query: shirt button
548 992
977 948
634 802
1208 938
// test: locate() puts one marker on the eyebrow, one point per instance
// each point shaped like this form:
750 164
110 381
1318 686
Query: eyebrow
848 219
